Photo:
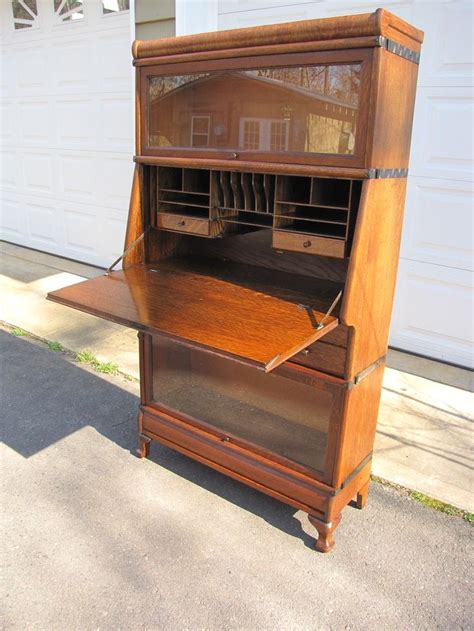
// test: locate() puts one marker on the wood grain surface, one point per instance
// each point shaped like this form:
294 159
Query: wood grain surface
380 22
227 315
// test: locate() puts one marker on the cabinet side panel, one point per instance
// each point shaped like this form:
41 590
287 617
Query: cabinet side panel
358 425
135 223
395 89
372 273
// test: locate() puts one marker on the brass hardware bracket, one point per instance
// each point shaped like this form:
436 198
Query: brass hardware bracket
386 173
398 49
309 310
127 251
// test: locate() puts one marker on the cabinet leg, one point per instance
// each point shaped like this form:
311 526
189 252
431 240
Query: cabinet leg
325 541
143 448
361 499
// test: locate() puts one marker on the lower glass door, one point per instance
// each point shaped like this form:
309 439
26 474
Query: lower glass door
273 412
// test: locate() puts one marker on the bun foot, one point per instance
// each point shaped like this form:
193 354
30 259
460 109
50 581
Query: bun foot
361 499
143 448
325 541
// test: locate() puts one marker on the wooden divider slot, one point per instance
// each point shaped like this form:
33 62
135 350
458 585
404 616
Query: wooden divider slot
322 209
294 207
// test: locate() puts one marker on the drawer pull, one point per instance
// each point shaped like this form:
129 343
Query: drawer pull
307 244
181 223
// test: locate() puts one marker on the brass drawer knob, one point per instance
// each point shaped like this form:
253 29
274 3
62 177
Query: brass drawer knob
181 223
307 244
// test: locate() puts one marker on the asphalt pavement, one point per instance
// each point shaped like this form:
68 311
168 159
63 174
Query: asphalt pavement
94 538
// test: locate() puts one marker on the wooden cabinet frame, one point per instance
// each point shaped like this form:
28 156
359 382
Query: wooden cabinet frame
300 291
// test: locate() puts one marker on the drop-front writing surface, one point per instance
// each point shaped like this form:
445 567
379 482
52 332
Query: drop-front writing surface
307 109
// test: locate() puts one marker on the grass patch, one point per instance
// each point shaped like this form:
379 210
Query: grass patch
469 517
54 346
428 501
106 368
442 507
17 332
85 357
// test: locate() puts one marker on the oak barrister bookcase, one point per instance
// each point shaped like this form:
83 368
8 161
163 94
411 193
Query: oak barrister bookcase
262 247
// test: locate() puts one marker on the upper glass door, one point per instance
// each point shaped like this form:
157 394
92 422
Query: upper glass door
301 110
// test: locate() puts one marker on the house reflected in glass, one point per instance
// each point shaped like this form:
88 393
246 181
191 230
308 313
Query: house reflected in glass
311 109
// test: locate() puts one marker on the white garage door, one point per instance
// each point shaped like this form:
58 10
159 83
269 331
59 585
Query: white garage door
67 126
433 312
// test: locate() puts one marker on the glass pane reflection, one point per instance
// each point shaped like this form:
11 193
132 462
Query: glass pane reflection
303 109
279 414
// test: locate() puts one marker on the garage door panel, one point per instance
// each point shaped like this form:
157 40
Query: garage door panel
77 122
442 145
446 58
31 71
35 124
12 219
9 170
435 312
8 122
116 114
77 176
114 56
438 225
114 228
82 230
70 73
7 73
37 172
113 182
42 225
81 227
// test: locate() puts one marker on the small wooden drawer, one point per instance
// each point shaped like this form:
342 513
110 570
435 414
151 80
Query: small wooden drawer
323 357
180 223
309 244
338 336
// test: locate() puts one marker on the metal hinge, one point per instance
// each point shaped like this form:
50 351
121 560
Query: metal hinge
357 470
365 373
309 310
398 49
387 173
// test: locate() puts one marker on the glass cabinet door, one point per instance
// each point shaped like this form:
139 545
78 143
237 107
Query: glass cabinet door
305 110
277 414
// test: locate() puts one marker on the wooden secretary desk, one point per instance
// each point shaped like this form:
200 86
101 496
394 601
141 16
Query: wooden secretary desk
262 248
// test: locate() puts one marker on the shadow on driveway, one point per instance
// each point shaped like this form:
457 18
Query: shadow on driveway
47 398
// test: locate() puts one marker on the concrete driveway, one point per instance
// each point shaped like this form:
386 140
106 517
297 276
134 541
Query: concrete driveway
94 538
